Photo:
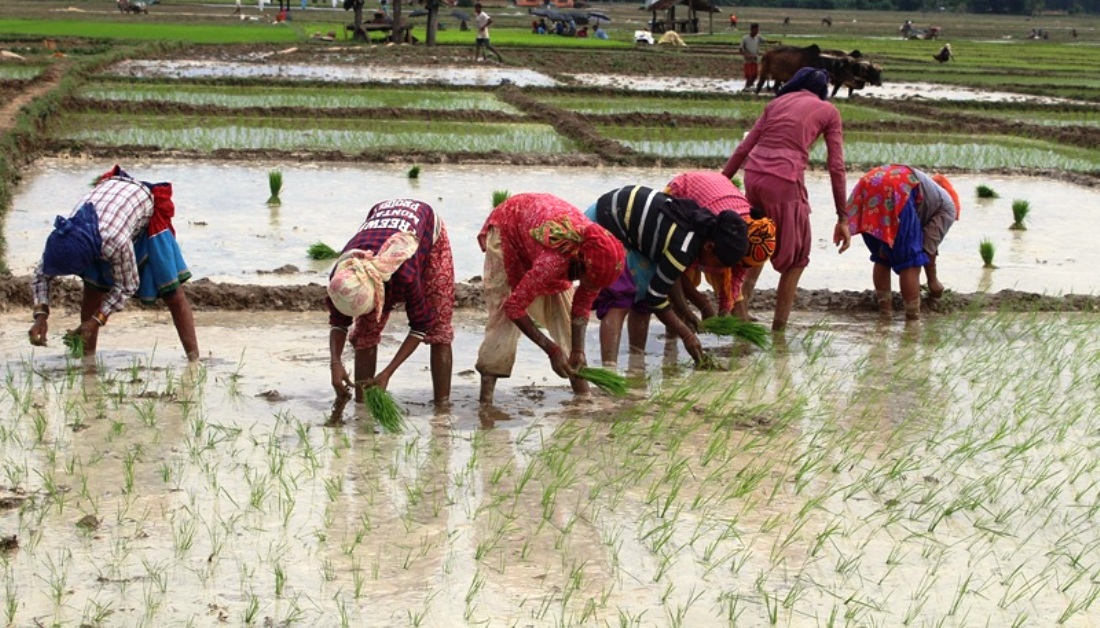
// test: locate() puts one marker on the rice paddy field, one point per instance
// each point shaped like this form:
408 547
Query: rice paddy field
858 471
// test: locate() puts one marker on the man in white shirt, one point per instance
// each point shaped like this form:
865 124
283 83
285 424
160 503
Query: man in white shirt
483 22
750 50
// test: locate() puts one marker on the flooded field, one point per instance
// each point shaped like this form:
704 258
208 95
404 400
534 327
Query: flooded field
857 474
229 233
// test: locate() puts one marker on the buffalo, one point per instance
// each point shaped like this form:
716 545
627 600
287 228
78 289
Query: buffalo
845 69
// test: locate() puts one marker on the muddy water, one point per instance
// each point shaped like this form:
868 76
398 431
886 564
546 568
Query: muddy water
229 233
270 68
857 469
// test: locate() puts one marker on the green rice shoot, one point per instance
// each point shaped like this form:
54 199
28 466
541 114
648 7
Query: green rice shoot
384 410
604 379
984 191
1020 209
74 343
755 333
275 183
987 249
320 250
414 172
499 196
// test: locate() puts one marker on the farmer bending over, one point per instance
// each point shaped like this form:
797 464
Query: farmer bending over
401 254
536 246
120 240
664 236
903 215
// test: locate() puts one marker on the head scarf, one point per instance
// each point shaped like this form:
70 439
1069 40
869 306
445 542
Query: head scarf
559 235
809 79
357 286
944 183
603 256
761 238
74 244
726 228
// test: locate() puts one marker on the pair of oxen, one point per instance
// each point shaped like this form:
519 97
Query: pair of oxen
846 69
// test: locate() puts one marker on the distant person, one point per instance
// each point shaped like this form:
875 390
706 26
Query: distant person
750 53
600 33
775 154
400 255
119 239
582 31
733 21
237 7
944 55
903 215
483 23
827 21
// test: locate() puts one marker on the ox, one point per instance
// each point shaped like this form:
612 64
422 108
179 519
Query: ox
780 63
863 72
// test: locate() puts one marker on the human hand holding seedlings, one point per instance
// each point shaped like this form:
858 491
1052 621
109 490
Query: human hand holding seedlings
558 361
38 330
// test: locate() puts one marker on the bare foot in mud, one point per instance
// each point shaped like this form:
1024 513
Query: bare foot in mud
336 417
489 414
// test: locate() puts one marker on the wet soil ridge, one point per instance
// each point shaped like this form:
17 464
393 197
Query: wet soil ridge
571 125
212 296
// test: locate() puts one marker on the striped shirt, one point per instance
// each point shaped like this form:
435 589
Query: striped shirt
633 215
123 207
406 285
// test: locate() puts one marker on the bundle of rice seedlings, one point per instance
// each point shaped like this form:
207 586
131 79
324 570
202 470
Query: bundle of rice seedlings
984 191
986 250
607 381
384 410
499 196
414 172
755 333
1020 209
320 250
74 343
275 183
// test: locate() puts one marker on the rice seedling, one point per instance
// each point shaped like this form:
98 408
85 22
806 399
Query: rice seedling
74 344
322 251
984 191
604 379
414 172
1020 209
754 333
986 249
499 196
384 410
275 185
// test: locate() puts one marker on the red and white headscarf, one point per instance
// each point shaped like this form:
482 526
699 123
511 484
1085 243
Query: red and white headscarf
358 284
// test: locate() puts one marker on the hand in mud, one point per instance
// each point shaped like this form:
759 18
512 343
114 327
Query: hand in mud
692 322
38 331
559 363
341 382
842 236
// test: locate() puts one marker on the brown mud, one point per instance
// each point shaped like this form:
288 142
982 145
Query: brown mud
206 295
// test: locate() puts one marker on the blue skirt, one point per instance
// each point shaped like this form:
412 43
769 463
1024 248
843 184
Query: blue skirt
908 249
160 267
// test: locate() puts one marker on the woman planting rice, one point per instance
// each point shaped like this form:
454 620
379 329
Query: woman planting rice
903 215
664 236
535 246
401 254
120 240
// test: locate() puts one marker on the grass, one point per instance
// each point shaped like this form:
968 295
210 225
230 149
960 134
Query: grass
987 249
414 172
604 379
384 410
984 191
148 30
322 251
499 196
754 333
275 185
1020 209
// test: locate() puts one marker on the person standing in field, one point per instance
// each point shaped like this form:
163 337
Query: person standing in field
775 154
120 240
483 23
400 254
750 52
903 215
536 246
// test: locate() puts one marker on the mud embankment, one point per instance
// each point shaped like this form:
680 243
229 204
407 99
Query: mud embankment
207 295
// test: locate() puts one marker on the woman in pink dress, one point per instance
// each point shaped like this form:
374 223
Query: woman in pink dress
775 154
